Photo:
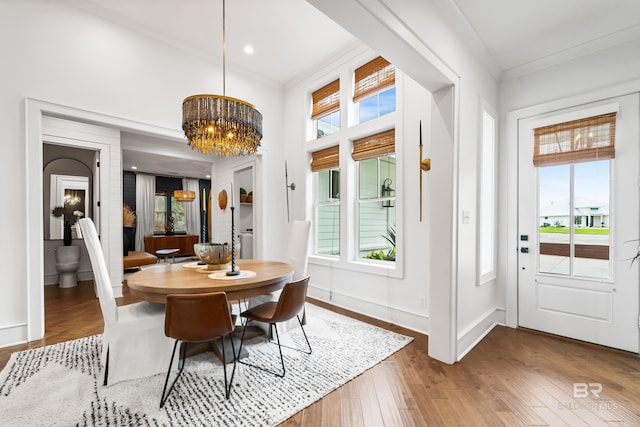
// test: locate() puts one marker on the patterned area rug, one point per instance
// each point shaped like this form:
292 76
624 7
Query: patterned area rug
60 385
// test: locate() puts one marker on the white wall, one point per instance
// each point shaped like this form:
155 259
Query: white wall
420 37
606 73
62 55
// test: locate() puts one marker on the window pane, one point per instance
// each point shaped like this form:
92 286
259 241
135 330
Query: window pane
177 212
327 185
368 108
376 231
368 179
328 232
159 213
388 174
335 183
328 124
388 101
487 200
377 105
554 212
591 219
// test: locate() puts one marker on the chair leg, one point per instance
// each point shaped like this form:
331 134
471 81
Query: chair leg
304 333
279 349
275 327
227 389
106 369
183 355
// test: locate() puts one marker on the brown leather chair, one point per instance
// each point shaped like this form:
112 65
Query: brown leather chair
192 318
290 303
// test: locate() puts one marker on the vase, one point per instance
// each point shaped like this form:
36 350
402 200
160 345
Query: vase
66 236
128 238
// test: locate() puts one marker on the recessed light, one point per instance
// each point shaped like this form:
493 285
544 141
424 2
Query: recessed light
248 49
135 168
207 176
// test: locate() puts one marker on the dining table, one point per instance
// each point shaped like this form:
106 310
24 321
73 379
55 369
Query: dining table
257 277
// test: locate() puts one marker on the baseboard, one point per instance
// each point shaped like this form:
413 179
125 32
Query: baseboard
13 335
472 335
53 279
414 321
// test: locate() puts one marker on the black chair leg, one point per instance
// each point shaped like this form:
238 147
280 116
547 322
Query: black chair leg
304 333
227 388
280 350
106 369
275 327
183 356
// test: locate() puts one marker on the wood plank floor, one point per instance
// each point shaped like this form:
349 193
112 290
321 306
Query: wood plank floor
514 377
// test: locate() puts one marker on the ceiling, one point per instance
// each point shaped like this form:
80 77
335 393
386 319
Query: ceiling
522 34
290 37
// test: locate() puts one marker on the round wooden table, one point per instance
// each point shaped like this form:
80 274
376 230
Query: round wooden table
155 283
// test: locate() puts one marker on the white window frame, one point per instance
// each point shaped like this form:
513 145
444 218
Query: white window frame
351 130
486 226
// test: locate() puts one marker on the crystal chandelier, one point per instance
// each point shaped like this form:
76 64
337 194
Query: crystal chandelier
220 124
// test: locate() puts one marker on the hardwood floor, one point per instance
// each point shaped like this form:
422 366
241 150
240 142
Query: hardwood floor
514 377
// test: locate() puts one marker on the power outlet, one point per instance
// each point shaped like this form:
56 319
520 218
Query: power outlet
423 301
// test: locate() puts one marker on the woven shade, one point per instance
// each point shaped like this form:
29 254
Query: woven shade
584 140
326 99
329 158
372 77
378 145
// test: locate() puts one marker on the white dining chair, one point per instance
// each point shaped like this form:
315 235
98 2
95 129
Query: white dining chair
298 256
133 342
298 248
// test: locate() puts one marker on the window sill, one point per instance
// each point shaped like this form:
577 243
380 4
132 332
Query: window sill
379 268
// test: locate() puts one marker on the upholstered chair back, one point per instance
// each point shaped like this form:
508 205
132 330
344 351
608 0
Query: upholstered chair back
100 272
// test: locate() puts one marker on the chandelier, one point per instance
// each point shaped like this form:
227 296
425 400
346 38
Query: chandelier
220 124
184 195
71 198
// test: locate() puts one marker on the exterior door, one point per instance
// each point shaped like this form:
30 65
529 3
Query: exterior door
578 223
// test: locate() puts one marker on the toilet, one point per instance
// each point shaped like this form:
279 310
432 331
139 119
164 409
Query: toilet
67 263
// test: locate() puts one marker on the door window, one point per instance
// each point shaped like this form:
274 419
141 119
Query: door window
574 231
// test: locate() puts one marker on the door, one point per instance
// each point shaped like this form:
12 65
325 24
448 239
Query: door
578 222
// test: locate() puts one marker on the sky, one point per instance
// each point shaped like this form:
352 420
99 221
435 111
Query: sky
591 182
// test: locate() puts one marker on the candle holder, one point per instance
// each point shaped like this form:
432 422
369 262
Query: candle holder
233 271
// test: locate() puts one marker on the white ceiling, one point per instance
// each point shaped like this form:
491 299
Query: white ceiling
291 37
526 34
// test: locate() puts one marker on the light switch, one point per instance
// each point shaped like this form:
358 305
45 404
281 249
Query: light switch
466 217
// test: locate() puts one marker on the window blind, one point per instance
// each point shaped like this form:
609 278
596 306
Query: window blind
373 76
378 145
326 99
327 158
583 140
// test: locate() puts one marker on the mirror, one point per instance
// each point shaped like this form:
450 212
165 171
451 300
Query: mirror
66 184
71 193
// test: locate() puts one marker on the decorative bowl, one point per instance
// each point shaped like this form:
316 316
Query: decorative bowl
216 256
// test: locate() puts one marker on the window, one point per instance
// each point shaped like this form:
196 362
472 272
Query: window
374 89
161 219
326 109
376 167
574 175
487 200
325 165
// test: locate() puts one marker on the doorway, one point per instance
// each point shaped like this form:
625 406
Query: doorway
578 224
244 180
